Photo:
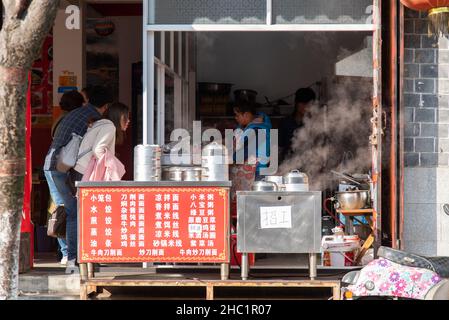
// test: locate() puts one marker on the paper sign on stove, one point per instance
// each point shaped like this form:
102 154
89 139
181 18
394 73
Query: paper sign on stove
276 217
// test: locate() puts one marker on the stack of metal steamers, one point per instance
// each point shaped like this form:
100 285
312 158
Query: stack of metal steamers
156 163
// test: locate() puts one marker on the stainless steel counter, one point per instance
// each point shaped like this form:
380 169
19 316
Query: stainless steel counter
279 222
155 184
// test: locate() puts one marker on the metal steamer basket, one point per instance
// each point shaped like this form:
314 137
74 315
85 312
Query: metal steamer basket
214 162
181 173
147 163
296 181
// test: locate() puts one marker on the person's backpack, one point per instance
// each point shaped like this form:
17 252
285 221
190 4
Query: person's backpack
56 226
69 154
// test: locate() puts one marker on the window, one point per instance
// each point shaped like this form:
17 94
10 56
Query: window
207 12
322 11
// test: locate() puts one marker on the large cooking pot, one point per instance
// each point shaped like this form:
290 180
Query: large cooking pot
245 95
352 200
264 186
214 88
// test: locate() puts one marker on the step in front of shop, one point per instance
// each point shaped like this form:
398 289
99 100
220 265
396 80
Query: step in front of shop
96 286
30 284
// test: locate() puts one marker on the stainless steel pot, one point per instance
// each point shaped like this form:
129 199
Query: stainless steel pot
352 200
214 88
296 187
264 186
172 173
296 177
214 162
276 179
245 95
191 174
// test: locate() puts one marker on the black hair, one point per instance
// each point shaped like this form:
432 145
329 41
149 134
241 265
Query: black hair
71 100
304 95
87 91
114 113
245 106
100 96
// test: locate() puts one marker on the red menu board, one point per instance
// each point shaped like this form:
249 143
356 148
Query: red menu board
118 224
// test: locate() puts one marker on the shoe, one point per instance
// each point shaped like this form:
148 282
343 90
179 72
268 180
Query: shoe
72 267
64 261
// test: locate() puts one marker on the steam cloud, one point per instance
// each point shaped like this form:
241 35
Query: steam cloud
334 136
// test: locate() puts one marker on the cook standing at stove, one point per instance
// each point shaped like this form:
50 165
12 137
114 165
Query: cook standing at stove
250 121
304 98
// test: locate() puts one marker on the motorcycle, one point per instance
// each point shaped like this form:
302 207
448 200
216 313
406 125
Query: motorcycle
398 275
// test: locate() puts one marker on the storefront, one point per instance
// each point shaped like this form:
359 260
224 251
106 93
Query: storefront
185 47
272 47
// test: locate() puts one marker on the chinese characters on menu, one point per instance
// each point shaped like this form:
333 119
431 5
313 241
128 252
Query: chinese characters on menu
157 225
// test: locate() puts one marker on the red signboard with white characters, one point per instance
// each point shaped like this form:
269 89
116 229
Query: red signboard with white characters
153 224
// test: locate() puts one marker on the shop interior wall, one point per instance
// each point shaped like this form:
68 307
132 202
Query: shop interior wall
67 55
129 45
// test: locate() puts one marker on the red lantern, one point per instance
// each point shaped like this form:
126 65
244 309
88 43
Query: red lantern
425 5
438 14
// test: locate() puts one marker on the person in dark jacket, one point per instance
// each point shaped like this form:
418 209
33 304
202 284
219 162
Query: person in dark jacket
70 101
76 122
304 98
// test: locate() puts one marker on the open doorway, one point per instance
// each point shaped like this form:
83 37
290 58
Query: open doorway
202 81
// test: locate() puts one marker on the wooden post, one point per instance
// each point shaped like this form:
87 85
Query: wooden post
336 292
83 291
83 271
210 292
90 271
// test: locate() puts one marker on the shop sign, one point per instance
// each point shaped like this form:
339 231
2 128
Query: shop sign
153 224
67 82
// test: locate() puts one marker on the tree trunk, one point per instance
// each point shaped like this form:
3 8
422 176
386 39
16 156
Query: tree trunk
23 31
